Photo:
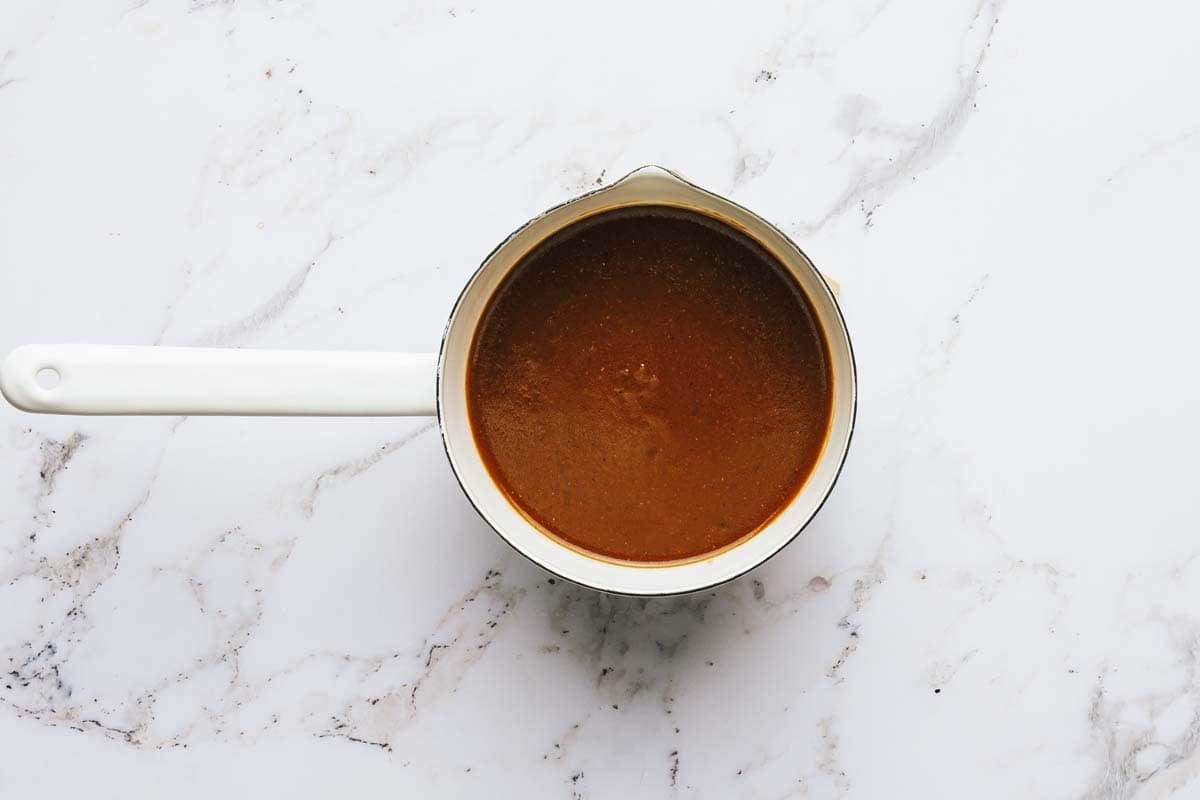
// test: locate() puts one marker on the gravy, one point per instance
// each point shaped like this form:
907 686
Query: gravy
649 385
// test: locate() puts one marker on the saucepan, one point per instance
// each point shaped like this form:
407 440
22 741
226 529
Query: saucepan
102 379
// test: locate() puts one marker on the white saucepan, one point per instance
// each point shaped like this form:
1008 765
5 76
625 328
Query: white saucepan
100 379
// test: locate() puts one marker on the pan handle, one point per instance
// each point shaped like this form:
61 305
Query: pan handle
106 379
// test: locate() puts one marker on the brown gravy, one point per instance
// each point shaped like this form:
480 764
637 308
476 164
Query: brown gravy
649 385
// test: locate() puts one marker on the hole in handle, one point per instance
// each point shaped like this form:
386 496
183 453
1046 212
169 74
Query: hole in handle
48 377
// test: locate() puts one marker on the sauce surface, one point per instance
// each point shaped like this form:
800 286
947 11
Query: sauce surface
649 385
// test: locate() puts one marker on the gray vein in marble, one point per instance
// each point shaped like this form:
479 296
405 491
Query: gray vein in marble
131 8
804 43
200 5
563 746
239 331
458 641
748 162
860 595
37 689
875 572
355 467
1158 150
383 701
55 458
237 623
367 292
918 149
828 764
642 650
950 341
331 141
185 284
5 79
636 648
576 789
1133 755
943 671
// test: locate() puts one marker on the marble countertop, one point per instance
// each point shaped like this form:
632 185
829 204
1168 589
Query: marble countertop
1001 599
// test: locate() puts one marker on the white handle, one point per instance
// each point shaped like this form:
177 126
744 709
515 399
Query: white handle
101 379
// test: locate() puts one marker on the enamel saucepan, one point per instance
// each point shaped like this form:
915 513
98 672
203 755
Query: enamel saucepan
100 379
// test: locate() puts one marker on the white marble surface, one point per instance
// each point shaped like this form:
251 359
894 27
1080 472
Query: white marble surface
1001 599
